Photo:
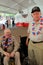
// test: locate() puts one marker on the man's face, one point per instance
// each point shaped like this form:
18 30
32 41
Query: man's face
7 35
36 16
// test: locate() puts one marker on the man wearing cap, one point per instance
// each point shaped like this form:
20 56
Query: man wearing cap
35 33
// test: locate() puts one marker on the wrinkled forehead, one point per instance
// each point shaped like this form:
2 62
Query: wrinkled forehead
36 13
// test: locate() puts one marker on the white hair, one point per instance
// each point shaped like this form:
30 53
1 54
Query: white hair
7 31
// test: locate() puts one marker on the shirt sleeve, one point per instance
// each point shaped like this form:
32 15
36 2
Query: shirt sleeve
28 31
1 50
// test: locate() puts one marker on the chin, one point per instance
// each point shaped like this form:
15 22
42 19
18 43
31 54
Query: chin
37 19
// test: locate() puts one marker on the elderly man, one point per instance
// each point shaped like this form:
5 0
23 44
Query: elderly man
9 47
35 33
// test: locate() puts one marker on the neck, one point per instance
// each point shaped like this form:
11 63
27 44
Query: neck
36 21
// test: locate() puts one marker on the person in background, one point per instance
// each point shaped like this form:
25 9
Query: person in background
9 48
7 23
13 23
35 33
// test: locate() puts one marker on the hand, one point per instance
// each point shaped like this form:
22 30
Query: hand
26 43
6 54
12 54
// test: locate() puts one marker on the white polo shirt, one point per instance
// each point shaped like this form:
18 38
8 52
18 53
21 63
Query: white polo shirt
36 31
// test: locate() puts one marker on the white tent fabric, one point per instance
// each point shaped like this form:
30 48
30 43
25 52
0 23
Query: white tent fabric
13 6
